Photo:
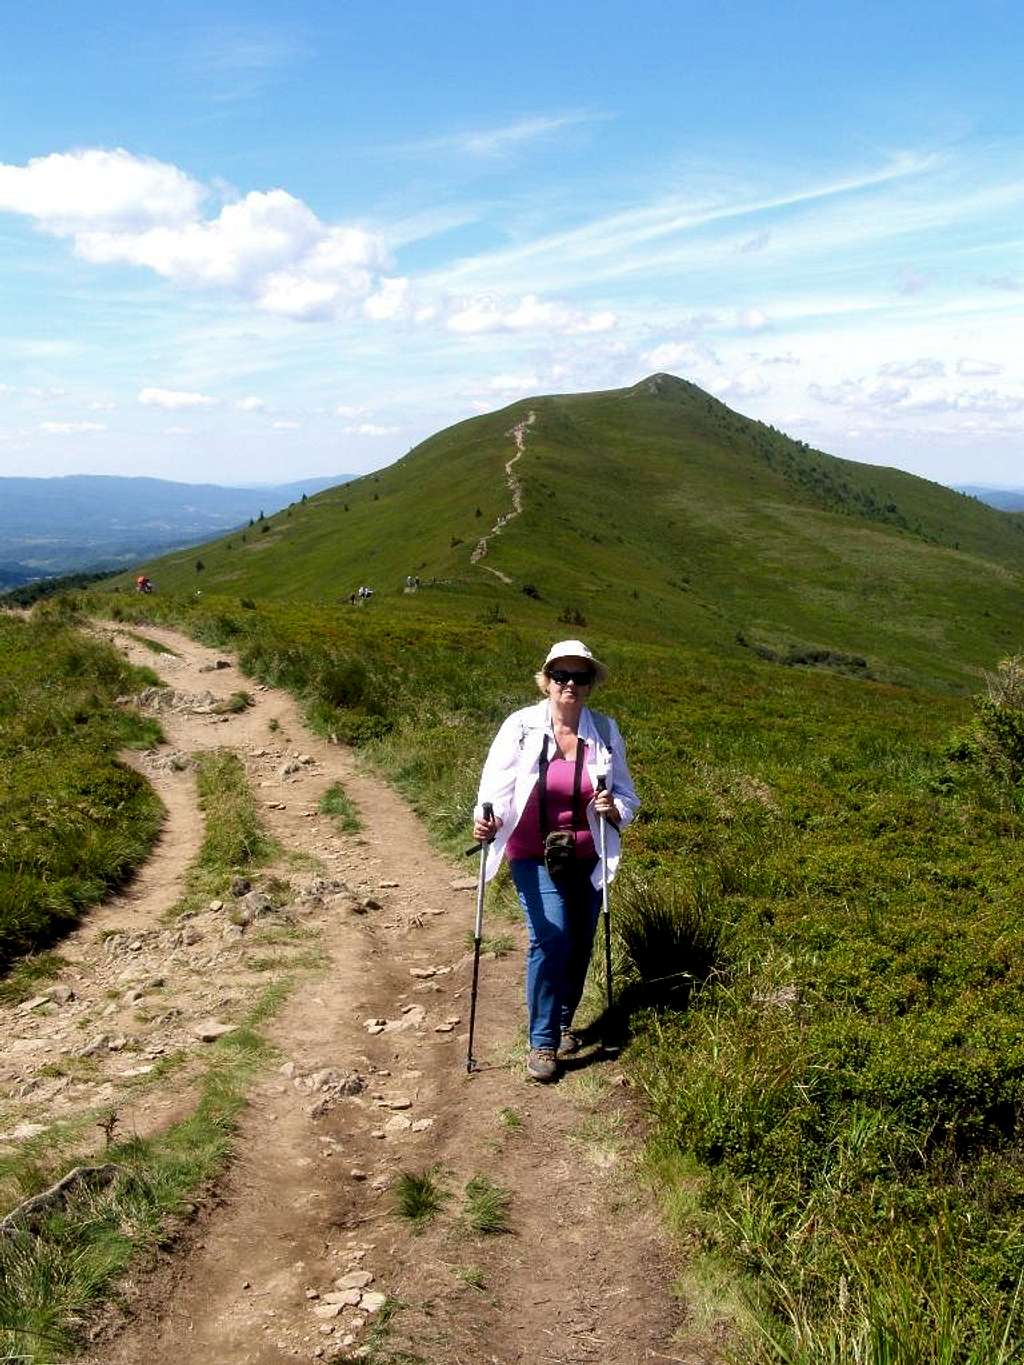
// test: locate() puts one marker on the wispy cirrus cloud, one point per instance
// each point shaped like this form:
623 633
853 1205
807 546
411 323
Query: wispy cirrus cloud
503 139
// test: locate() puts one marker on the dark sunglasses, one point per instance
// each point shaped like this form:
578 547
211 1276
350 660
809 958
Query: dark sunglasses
563 676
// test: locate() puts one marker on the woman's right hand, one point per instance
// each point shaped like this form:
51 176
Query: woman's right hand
485 830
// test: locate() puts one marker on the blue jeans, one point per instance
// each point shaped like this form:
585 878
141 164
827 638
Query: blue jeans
561 921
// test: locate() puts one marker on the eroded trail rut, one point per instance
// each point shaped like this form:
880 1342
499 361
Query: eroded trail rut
584 1273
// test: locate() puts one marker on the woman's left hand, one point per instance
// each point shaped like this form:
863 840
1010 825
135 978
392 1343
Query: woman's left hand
605 806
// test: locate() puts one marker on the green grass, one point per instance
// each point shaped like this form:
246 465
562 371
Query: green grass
54 1278
74 822
498 944
336 803
28 974
154 645
485 1207
234 840
418 1197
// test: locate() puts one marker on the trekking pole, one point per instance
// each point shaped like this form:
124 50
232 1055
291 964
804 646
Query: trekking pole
478 933
602 783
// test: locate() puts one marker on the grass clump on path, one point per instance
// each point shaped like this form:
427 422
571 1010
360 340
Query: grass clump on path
419 1197
234 841
336 803
485 1206
74 822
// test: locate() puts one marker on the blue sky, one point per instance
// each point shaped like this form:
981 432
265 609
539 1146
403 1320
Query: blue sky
239 243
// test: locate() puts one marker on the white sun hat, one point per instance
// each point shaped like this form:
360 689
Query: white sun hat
565 649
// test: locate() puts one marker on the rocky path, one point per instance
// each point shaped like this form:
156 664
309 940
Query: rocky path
518 434
301 1255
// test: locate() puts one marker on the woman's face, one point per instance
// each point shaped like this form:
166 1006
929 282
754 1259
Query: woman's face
569 679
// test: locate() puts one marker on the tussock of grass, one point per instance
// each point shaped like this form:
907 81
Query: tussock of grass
418 1197
234 840
336 803
485 1207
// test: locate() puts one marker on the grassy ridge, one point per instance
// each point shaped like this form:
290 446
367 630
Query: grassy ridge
653 513
844 1092
73 821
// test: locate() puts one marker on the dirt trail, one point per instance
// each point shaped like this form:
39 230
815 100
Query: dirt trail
518 434
584 1273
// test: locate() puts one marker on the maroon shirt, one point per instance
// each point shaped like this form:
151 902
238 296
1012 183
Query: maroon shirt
526 840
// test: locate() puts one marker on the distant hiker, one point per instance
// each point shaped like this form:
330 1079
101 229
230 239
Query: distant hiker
541 776
143 584
411 582
364 594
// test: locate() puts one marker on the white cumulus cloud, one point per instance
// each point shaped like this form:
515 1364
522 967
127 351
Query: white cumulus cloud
967 366
99 190
370 429
267 247
350 410
250 404
486 313
174 398
860 393
926 368
285 426
70 428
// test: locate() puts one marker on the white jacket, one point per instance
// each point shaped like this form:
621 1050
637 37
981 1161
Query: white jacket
512 769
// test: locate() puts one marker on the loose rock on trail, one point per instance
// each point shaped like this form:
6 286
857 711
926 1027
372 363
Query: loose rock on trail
299 1253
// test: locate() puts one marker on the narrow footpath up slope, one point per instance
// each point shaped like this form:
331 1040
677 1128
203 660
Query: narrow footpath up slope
584 1272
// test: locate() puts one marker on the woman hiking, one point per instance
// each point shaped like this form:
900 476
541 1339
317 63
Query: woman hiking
542 776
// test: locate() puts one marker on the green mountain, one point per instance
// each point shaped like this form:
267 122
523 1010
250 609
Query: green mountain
656 513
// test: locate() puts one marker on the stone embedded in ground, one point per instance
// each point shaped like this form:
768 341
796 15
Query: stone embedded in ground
190 934
60 995
464 884
240 886
356 1174
421 1125
390 886
395 1102
374 1025
27 1006
328 1310
286 769
23 1131
372 1302
312 1293
398 1123
443 1028
453 1019
355 1279
346 1297
423 973
369 903
211 1029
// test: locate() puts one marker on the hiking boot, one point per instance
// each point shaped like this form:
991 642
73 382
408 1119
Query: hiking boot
570 1042
542 1064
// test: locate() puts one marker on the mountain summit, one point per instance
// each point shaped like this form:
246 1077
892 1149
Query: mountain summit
650 510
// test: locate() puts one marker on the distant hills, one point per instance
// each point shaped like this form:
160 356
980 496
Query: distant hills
1006 499
656 513
86 521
